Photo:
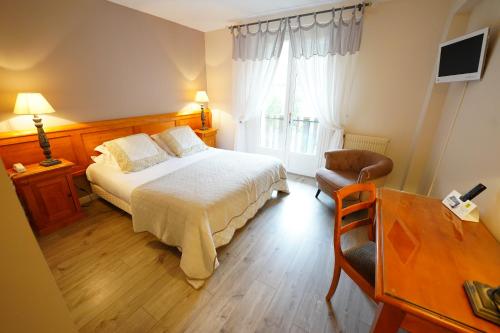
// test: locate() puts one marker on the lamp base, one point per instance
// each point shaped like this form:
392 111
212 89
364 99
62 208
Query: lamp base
204 128
50 162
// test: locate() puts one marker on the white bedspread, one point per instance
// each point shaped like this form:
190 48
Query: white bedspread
122 184
198 207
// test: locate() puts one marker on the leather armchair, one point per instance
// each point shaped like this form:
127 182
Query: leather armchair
349 166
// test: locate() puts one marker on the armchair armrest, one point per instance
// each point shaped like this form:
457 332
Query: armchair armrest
380 169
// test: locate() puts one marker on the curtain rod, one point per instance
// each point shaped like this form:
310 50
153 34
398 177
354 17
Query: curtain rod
359 6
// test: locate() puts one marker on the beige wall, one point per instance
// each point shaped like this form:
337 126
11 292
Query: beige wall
424 138
395 64
30 300
473 151
396 59
218 51
95 60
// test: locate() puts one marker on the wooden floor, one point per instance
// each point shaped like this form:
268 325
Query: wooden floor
272 277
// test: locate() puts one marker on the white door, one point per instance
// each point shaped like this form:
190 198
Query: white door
287 128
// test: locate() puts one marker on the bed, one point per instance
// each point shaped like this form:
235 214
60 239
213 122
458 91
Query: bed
194 203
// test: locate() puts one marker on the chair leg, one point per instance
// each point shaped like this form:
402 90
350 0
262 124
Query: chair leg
371 232
335 281
317 193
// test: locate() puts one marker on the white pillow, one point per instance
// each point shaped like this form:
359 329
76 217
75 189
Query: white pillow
102 160
182 141
135 152
159 141
105 158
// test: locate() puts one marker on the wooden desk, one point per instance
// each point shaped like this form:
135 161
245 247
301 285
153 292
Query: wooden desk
424 255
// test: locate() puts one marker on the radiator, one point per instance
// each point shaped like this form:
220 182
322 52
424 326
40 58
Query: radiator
371 143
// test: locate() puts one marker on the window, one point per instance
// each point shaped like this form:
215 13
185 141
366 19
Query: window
287 122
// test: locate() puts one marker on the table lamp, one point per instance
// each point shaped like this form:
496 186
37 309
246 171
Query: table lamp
35 104
202 97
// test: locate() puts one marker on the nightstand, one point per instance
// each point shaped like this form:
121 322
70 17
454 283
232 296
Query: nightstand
208 136
48 196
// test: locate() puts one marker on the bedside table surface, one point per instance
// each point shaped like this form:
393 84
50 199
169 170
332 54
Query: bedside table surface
207 131
34 169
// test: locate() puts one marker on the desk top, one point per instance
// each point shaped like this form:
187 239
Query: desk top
425 254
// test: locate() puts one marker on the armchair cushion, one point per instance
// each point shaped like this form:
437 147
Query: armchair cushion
330 182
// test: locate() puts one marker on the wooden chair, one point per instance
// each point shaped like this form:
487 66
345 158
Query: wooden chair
357 262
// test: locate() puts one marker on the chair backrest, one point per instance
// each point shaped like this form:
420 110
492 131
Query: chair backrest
340 211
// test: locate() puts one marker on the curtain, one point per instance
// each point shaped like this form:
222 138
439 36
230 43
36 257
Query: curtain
325 59
339 36
326 82
255 59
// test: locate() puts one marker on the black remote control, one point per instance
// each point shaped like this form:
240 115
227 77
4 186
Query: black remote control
473 193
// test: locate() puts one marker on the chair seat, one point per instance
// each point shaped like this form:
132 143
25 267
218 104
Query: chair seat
363 258
330 181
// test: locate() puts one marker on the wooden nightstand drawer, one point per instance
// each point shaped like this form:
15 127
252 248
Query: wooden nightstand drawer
208 136
53 197
209 141
48 196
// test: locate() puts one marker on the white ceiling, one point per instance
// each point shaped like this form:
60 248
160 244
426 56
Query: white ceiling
208 15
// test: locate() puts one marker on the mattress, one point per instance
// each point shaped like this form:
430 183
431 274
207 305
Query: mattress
121 185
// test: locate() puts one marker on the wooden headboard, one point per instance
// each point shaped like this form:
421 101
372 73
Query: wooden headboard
76 142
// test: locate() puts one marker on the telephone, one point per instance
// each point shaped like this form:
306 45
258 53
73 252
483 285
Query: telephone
19 167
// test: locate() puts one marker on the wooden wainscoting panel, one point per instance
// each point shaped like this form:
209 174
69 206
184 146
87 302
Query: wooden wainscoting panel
94 139
62 147
29 152
193 122
154 128
76 142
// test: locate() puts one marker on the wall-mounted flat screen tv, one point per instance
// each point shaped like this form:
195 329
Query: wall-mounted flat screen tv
462 58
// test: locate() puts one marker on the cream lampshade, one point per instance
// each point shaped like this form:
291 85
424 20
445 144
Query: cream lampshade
202 97
32 103
35 104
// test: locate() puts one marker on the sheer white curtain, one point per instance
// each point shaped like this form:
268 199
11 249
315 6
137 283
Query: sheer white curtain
255 59
325 58
326 82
